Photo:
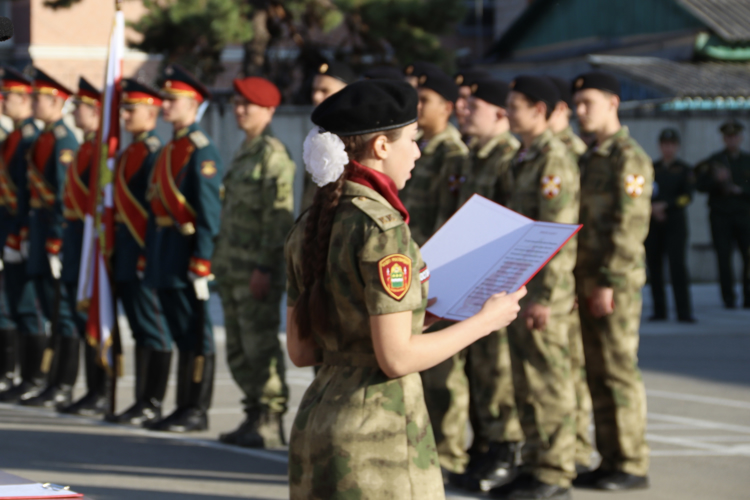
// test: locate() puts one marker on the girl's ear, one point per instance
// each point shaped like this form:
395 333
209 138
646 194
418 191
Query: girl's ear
380 147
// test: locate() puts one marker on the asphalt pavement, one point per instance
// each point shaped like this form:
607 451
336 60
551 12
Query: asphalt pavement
697 379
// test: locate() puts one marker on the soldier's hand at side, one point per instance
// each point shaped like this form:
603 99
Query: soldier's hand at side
536 316
12 256
735 190
602 302
659 210
502 308
722 174
429 318
260 284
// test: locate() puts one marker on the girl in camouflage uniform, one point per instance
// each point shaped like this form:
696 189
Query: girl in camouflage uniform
357 294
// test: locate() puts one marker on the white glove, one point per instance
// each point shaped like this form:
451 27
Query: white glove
55 265
12 256
2 266
140 274
25 249
200 285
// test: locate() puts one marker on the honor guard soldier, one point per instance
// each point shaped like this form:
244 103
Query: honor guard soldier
413 71
330 77
495 425
546 188
616 183
28 347
668 233
184 198
51 155
725 176
7 324
139 110
559 123
87 116
464 80
249 265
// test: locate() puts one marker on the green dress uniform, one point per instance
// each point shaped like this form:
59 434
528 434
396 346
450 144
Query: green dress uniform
258 212
358 433
616 185
729 216
673 184
546 188
584 446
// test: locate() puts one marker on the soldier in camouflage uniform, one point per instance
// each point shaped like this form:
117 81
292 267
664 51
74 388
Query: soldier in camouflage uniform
430 196
616 185
559 123
546 188
258 210
362 430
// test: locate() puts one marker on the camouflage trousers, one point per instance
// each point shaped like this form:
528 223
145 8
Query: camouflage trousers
617 392
584 447
545 397
254 353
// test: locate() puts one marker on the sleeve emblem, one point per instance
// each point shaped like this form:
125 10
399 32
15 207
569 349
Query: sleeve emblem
634 185
424 274
395 275
66 156
551 186
208 169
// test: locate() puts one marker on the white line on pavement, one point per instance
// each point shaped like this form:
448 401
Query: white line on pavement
704 424
681 396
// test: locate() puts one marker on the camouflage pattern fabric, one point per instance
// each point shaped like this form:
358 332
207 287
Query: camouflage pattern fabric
433 187
546 188
257 214
359 434
574 143
616 186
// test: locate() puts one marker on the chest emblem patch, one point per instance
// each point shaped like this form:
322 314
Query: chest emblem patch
66 156
634 185
208 169
395 275
551 186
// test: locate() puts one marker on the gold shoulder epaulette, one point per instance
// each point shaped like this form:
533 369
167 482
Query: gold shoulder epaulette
153 143
61 132
28 130
199 139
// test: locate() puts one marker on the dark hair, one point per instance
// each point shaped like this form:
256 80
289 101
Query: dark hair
549 107
311 308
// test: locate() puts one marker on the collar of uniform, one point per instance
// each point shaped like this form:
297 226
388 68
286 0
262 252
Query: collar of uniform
450 132
538 144
354 189
50 126
606 147
487 149
25 122
179 134
89 136
142 136
252 146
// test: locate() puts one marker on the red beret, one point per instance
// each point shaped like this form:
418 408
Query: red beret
258 91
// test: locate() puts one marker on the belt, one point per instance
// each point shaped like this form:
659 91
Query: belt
36 203
354 359
70 214
164 221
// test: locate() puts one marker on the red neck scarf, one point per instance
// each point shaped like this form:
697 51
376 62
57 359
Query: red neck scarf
380 183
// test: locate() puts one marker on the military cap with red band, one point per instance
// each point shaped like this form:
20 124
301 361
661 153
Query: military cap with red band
45 84
87 93
178 82
135 92
258 91
15 81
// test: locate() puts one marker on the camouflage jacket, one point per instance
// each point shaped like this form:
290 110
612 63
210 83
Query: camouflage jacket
719 197
258 211
572 141
488 171
616 185
546 188
434 185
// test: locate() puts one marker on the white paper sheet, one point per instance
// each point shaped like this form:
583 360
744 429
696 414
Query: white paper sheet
485 249
35 490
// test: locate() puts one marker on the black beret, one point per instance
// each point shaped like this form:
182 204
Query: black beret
731 127
537 88
493 91
418 68
563 88
596 80
436 79
383 73
669 135
367 106
468 76
337 70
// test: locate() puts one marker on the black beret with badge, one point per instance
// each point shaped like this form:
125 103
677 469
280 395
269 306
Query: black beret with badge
731 127
492 91
383 73
563 88
367 106
337 70
436 80
419 68
467 76
597 80
669 135
537 88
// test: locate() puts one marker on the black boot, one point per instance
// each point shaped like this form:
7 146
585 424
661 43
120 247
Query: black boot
527 487
8 353
32 378
497 467
261 429
198 389
94 403
59 390
151 378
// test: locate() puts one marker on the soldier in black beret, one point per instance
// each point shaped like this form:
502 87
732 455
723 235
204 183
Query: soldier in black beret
465 78
413 71
330 77
725 176
383 73
559 122
668 233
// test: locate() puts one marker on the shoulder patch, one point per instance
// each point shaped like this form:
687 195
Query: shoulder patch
395 274
66 156
551 185
61 132
153 143
634 185
385 217
28 130
199 139
208 169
